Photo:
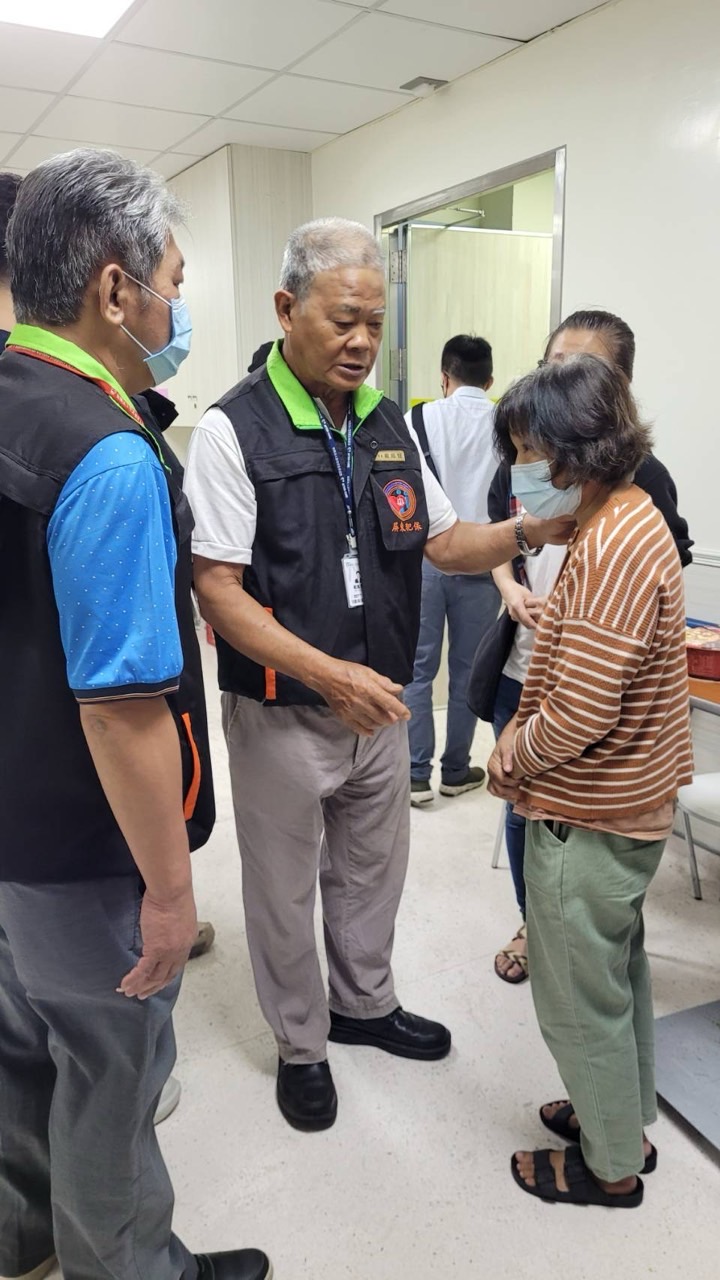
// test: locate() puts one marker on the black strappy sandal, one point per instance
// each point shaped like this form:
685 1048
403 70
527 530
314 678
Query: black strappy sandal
559 1124
519 961
583 1186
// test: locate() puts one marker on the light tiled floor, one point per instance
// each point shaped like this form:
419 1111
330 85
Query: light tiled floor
413 1181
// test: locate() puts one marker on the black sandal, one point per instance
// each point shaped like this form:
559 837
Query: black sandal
559 1124
583 1186
519 961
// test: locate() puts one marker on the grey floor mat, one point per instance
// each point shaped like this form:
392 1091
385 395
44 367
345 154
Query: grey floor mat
688 1066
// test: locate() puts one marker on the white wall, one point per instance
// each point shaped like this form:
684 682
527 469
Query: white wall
272 194
242 203
633 91
207 243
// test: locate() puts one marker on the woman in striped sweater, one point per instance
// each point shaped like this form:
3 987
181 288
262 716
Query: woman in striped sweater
593 760
524 583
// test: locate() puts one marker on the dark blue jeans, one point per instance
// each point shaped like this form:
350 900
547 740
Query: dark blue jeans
469 604
507 701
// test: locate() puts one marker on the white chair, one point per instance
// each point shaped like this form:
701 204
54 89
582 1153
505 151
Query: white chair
700 799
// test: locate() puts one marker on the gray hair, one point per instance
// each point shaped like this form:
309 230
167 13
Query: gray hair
74 214
324 245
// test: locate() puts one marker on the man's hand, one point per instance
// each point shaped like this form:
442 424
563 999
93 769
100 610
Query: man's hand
522 605
557 532
362 699
501 782
168 928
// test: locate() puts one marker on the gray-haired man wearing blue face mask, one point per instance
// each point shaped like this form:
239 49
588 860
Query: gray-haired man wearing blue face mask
102 786
164 364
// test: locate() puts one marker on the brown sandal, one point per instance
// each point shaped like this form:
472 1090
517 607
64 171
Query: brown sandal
520 960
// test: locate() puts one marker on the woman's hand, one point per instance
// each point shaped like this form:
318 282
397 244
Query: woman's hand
501 782
522 605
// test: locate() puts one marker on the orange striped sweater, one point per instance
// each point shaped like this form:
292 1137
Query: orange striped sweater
603 724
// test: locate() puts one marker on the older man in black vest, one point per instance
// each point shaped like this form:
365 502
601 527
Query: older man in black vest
314 508
102 791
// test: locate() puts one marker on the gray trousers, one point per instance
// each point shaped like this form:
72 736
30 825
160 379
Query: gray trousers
81 1071
311 796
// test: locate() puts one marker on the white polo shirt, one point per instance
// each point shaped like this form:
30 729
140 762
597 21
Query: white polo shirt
459 431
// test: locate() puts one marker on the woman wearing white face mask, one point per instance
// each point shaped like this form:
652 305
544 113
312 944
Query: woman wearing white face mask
593 761
526 583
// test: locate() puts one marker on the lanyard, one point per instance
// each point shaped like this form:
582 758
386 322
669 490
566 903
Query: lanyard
119 400
344 473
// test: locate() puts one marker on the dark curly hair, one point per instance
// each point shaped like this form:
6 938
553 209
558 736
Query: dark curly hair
9 186
614 332
581 415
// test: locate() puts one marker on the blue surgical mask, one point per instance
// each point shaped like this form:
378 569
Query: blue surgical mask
164 364
532 486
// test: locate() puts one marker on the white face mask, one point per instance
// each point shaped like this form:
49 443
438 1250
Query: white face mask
532 486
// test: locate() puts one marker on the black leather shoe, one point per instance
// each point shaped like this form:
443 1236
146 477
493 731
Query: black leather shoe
306 1095
401 1033
238 1264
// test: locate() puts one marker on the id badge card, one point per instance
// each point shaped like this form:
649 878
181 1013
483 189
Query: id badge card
353 584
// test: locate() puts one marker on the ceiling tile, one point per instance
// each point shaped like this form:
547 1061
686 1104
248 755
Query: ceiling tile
387 52
522 19
174 81
173 163
35 150
317 104
220 133
48 60
20 108
7 142
258 33
112 124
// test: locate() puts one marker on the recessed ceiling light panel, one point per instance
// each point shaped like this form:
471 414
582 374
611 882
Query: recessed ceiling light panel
75 17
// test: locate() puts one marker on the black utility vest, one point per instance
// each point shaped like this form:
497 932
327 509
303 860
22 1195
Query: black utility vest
296 571
56 823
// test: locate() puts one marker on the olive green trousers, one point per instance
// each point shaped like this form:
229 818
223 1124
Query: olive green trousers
591 984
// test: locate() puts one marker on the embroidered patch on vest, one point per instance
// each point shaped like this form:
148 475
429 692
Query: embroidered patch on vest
401 497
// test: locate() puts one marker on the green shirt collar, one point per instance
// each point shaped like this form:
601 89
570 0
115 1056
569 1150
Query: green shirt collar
51 344
300 404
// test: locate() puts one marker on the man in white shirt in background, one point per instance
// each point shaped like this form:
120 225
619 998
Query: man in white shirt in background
455 435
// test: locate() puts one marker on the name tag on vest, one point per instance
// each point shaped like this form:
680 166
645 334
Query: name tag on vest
390 455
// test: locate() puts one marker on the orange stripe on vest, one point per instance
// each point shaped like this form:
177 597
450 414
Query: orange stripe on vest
270 674
194 788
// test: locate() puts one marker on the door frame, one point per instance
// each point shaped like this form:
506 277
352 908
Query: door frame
404 213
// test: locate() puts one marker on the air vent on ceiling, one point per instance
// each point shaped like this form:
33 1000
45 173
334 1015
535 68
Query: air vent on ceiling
424 86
